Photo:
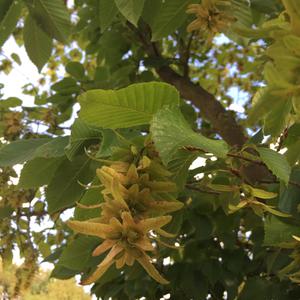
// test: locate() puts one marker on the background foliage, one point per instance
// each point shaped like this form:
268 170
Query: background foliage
42 287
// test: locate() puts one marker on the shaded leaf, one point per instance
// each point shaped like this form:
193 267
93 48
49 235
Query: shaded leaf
52 16
61 272
92 196
37 43
82 136
19 151
76 255
290 196
75 69
261 105
171 132
130 9
38 172
276 162
276 121
278 232
112 138
170 15
179 166
107 12
64 189
54 148
6 212
9 19
256 288
66 86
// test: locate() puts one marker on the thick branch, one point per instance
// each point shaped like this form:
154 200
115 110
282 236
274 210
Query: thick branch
212 110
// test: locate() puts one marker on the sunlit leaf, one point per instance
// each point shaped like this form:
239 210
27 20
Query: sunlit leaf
128 107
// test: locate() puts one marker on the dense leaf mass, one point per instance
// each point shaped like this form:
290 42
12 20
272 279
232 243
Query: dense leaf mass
157 156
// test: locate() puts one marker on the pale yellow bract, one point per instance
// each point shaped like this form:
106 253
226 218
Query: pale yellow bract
127 240
132 214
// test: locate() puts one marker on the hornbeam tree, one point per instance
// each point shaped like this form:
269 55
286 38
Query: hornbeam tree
160 159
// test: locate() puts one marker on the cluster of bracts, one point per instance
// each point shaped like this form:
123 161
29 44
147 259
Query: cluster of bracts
137 193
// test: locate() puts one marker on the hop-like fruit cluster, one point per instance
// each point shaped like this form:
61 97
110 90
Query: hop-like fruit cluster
25 273
212 17
137 196
12 125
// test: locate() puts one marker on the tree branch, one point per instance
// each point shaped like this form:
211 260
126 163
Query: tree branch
211 109
184 52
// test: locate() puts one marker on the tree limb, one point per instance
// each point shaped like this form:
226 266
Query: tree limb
211 109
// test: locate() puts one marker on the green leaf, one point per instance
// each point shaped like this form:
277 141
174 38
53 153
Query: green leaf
44 248
19 151
128 107
171 132
37 43
151 10
203 225
112 46
66 86
9 19
76 255
264 6
52 16
276 162
76 70
179 166
38 172
5 212
64 189
61 272
54 148
256 288
4 4
290 196
109 140
82 136
130 9
16 58
168 17
59 99
112 138
10 102
293 154
92 196
107 12
278 232
261 105
275 78
54 256
276 121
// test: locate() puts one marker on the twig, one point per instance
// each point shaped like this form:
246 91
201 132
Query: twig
277 181
246 159
282 139
191 187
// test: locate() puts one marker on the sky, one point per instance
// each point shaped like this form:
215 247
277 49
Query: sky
20 75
